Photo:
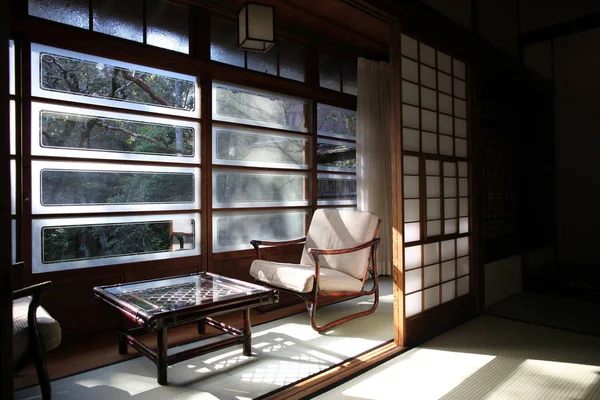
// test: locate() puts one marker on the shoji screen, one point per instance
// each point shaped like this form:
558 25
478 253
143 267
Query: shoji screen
436 177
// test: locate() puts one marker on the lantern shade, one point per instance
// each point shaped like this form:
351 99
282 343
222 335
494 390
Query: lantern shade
256 30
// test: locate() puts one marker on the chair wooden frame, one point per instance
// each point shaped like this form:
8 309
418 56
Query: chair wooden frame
311 298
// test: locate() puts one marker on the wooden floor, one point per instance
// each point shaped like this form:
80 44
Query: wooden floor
97 351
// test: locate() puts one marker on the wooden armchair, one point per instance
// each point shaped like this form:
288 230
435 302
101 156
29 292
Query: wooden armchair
34 332
337 259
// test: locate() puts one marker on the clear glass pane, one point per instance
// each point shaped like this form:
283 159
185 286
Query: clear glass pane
462 246
433 186
410 165
461 147
432 297
259 149
412 304
448 291
450 226
430 143
412 232
263 62
463 204
336 189
428 98
413 281
123 19
410 116
224 42
429 120
412 257
427 55
428 77
336 156
434 228
444 83
350 77
168 26
90 242
330 71
460 89
432 167
461 127
433 209
445 124
447 250
431 275
337 122
235 231
292 60
445 104
462 286
450 210
463 225
411 210
444 62
410 93
459 69
446 145
408 46
67 75
411 187
450 187
410 139
462 266
410 70
448 271
11 67
431 253
460 108
245 106
69 12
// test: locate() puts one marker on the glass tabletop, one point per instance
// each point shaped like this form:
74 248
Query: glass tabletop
184 291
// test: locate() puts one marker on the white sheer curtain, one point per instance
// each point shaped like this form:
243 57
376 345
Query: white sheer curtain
373 162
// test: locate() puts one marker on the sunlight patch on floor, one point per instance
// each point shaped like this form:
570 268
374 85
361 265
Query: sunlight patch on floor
130 383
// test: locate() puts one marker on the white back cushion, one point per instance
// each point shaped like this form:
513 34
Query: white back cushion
341 229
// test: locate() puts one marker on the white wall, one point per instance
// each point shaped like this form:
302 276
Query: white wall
458 11
498 24
538 14
502 279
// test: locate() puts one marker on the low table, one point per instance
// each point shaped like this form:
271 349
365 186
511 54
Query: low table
158 304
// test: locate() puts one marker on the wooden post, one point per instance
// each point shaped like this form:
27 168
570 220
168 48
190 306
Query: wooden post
161 352
247 329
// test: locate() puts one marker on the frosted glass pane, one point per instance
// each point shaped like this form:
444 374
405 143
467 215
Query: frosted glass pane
330 72
12 127
410 139
462 286
448 271
413 304
449 169
463 187
460 108
445 124
431 253
434 228
444 83
123 19
410 116
430 142
292 59
349 77
462 169
447 250
13 187
11 67
432 167
432 297
462 266
433 186
461 127
410 93
412 257
462 246
410 70
450 226
463 225
433 209
411 187
168 26
336 189
69 12
428 77
410 165
449 187
408 46
463 206
263 62
429 120
460 89
459 69
450 208
412 280
444 62
412 232
431 275
461 147
427 55
446 145
448 291
428 98
224 42
411 210
445 103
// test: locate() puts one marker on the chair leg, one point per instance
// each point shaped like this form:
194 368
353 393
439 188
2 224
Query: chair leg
329 325
42 373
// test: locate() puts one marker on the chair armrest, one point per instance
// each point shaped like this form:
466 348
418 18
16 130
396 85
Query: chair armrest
257 243
316 252
33 290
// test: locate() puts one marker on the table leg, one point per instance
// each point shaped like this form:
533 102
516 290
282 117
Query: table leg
161 352
202 326
246 328
122 335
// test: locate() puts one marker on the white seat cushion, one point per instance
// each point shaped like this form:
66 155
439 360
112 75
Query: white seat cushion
300 278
